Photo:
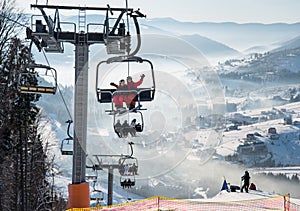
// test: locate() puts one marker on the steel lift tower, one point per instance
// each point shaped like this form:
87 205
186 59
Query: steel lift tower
51 36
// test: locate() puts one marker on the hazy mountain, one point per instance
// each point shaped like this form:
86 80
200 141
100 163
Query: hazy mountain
257 49
238 36
214 40
210 47
290 44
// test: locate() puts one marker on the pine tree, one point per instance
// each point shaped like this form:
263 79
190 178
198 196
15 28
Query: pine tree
23 160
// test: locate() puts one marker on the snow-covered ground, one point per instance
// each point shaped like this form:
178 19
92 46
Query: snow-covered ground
285 150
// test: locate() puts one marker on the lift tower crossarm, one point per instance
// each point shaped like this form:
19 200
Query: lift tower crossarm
80 8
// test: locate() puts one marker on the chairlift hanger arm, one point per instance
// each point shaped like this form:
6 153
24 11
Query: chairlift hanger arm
131 148
68 131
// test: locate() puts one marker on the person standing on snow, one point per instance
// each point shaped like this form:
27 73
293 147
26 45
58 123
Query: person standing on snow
246 179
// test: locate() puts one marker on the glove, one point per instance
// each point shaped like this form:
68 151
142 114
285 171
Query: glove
143 76
112 84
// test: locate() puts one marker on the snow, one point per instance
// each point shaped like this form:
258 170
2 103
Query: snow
283 151
225 196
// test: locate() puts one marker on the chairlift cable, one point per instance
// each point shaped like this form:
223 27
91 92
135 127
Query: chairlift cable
21 24
63 99
128 69
127 15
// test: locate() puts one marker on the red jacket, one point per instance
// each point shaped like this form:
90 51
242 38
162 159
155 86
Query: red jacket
134 85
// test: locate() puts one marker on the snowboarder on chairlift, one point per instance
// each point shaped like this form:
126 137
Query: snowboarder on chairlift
119 97
246 179
132 86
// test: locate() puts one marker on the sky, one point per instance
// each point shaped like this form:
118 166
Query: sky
239 11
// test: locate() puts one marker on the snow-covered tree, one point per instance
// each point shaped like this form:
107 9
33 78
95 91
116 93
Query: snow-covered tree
11 20
23 160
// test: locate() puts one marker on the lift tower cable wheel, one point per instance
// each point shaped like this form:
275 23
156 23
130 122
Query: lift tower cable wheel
50 37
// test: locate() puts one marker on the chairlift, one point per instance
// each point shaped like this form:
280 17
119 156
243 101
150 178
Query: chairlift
41 79
128 166
66 147
96 195
123 131
91 171
127 181
143 94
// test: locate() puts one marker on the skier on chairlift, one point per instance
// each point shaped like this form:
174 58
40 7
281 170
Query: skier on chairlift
132 86
119 97
133 129
125 127
118 128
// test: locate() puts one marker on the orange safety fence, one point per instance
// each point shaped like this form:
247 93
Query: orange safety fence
156 203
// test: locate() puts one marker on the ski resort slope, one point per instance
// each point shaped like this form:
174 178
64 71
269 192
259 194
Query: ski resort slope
281 150
254 200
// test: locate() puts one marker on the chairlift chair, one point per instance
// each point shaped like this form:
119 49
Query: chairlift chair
91 173
131 163
127 181
96 195
66 147
41 79
105 95
139 127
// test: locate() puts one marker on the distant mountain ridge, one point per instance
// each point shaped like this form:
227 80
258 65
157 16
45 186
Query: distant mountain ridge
216 41
235 35
290 44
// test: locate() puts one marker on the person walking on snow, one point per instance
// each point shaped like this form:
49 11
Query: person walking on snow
246 179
